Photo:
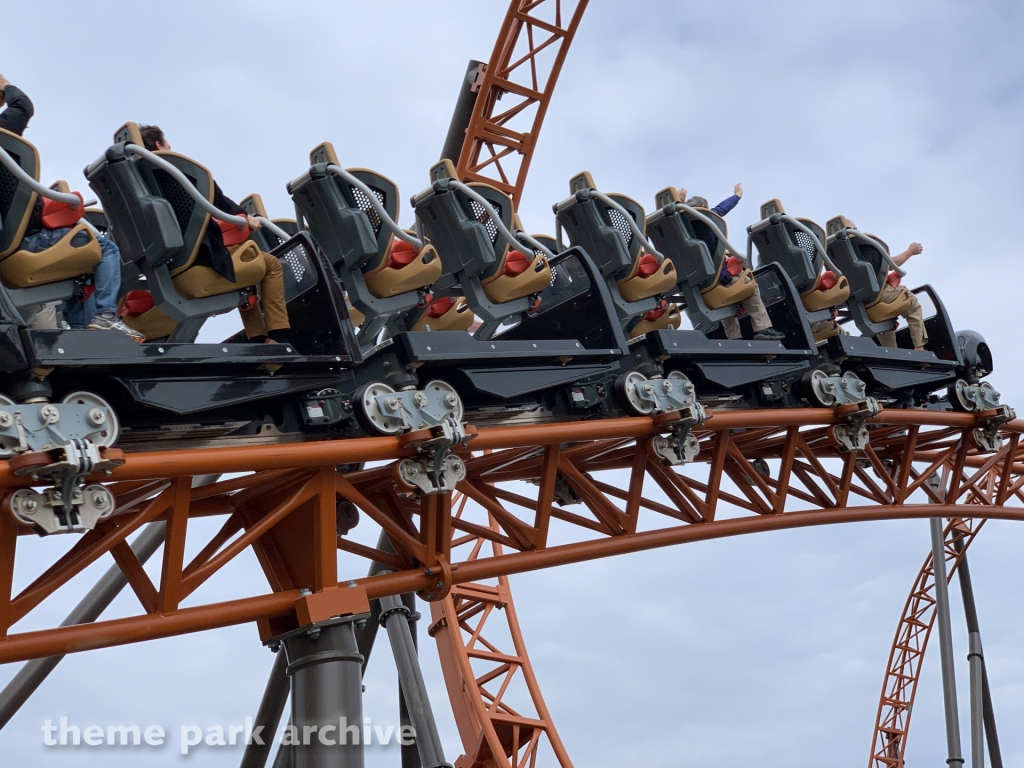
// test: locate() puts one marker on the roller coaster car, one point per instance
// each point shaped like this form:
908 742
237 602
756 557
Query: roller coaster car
59 272
722 370
169 389
388 280
548 327
523 375
856 266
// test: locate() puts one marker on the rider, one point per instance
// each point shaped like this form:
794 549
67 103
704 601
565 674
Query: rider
101 307
19 107
891 291
753 306
269 323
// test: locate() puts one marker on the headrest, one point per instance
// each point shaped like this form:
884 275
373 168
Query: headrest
667 196
253 205
880 241
837 224
444 169
771 207
580 181
324 153
60 186
129 132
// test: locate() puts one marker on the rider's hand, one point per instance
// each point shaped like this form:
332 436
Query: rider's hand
913 249
254 223
682 194
738 190
4 82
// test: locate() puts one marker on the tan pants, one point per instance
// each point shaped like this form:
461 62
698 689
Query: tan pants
271 313
759 319
914 316
43 318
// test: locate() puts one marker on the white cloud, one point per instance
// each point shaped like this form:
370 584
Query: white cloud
905 116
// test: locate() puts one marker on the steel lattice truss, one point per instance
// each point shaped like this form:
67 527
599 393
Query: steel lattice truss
523 69
285 509
493 732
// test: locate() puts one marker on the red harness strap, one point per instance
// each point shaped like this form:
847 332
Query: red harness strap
57 215
232 234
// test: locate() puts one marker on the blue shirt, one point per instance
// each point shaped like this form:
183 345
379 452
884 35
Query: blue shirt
721 209
726 205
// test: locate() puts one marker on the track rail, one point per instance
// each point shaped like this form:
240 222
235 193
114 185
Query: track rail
522 72
493 733
285 509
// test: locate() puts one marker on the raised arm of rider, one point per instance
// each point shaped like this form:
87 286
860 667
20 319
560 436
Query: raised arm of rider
19 107
912 250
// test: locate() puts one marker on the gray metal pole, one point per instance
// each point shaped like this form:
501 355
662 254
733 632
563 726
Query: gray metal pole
32 675
995 755
395 617
275 696
326 671
945 644
410 752
974 658
284 755
462 114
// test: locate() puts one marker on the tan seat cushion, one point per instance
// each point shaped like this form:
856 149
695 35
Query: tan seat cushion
741 289
636 286
825 330
534 279
61 261
153 324
388 280
880 311
669 321
835 296
457 318
199 281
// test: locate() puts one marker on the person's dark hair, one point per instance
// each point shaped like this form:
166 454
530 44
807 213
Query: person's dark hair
697 202
151 134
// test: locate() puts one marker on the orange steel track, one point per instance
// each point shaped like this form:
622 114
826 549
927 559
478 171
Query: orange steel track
903 672
285 510
523 70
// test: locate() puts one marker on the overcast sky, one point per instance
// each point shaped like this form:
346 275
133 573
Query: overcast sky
907 117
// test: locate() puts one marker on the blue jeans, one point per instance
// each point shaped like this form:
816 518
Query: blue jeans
106 277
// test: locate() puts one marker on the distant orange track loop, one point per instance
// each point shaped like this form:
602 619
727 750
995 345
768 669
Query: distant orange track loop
522 72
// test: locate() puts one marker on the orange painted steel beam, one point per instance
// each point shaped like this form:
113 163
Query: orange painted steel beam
105 634
282 514
492 732
514 93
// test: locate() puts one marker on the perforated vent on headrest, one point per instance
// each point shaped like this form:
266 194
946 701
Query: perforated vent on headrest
870 255
703 232
176 196
364 205
806 243
294 260
620 224
484 216
8 186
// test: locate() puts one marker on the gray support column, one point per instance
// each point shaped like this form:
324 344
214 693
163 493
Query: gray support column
995 755
395 617
32 675
945 645
284 756
326 672
974 658
410 752
275 696
462 114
